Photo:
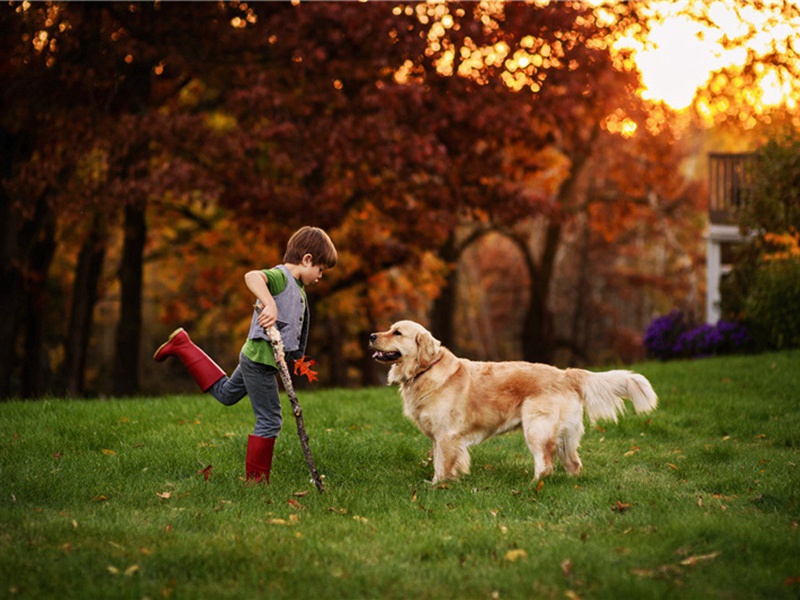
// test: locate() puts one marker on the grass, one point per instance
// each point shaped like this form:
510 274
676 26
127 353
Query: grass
701 499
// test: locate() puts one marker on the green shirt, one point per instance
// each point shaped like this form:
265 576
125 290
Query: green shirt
260 351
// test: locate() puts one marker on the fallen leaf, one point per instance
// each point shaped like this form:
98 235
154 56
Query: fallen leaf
540 485
566 567
295 504
132 570
57 455
112 569
671 466
206 472
164 495
278 522
108 452
100 499
300 494
693 560
515 554
620 507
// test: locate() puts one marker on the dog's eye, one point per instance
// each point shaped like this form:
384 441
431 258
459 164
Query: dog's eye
397 332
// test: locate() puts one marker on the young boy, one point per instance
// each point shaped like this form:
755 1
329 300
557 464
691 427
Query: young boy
280 301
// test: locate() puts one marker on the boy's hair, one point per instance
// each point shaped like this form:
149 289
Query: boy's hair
313 241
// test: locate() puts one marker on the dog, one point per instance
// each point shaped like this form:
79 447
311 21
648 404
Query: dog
458 403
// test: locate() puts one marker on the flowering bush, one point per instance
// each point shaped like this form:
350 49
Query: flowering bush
674 336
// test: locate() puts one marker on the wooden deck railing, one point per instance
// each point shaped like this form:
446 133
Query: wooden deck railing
727 186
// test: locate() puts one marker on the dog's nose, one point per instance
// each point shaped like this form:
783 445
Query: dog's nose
373 337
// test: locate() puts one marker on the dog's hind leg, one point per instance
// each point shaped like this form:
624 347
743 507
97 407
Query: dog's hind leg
540 435
569 437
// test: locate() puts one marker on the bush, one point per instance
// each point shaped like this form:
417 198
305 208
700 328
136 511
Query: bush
674 336
773 303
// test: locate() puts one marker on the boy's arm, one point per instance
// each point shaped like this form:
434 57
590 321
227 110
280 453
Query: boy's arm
256 282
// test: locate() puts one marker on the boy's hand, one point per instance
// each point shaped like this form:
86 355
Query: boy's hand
268 315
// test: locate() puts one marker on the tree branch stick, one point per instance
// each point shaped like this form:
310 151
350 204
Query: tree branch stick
274 337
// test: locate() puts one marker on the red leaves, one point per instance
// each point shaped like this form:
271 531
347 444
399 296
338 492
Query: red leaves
205 472
303 367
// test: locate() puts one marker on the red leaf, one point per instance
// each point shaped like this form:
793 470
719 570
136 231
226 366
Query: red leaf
620 507
303 367
206 472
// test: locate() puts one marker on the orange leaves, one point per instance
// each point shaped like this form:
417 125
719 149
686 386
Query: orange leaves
303 367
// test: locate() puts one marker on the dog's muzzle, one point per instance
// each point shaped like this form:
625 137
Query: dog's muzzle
381 355
386 357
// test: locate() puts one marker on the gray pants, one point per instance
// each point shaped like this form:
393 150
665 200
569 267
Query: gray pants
260 383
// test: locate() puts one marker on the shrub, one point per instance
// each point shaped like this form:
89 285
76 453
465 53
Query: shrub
773 303
674 336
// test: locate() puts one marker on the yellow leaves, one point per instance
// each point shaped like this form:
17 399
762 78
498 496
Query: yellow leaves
675 570
632 451
787 246
292 520
515 555
128 572
108 452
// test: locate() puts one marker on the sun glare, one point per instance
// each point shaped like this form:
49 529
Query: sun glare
681 53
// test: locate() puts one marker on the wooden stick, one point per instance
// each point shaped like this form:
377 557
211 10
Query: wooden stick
274 337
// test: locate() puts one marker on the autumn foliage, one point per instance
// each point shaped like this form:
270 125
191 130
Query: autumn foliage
156 154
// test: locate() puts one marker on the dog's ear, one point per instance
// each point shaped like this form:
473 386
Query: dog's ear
429 349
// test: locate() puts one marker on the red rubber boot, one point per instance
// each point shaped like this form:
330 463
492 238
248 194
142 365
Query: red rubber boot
258 463
199 364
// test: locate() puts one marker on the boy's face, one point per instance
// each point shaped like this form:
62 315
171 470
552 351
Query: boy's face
309 272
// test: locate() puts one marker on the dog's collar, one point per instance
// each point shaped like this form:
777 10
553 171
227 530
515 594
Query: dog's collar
430 366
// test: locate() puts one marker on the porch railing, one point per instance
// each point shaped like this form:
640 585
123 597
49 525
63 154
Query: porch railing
728 180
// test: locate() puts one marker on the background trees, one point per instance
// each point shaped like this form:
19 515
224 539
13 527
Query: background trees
457 153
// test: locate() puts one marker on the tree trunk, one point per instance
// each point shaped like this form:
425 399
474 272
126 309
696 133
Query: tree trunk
19 238
84 298
537 328
41 257
444 306
10 295
126 358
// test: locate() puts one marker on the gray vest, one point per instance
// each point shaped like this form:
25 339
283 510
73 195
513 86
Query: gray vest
293 318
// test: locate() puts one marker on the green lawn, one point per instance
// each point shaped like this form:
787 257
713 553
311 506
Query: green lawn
700 499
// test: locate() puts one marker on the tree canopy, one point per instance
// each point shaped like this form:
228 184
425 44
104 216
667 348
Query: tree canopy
157 151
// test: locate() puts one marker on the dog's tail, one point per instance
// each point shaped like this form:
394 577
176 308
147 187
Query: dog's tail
603 394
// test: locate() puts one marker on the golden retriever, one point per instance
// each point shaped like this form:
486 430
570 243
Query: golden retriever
458 403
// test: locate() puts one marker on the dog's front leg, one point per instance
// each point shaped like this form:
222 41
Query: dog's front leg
450 457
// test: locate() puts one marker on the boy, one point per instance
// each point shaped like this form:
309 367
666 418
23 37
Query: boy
281 301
